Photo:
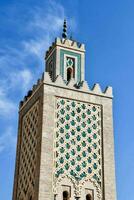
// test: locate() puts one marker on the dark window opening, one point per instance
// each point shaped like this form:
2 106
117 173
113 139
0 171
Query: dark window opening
65 195
69 74
73 72
88 197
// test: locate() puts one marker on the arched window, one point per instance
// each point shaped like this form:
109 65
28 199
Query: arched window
69 73
65 195
88 197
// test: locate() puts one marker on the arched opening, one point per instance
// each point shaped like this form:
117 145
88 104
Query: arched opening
69 73
65 195
88 197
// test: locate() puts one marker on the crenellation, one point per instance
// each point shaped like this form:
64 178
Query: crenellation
70 43
75 44
32 91
60 81
34 87
85 86
82 46
21 104
96 89
71 83
66 43
25 98
108 91
47 78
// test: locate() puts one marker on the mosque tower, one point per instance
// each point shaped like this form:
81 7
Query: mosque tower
65 147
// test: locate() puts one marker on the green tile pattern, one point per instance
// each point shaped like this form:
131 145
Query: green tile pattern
78 140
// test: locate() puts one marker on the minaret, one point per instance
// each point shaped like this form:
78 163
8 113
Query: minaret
65 148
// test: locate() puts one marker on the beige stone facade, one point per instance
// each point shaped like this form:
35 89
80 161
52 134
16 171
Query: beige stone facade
65 146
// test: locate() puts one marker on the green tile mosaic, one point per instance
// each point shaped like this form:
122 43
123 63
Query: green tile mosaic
78 139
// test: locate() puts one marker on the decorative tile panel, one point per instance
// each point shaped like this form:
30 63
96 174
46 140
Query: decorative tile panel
78 140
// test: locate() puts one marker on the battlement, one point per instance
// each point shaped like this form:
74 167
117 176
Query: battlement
66 43
31 91
82 86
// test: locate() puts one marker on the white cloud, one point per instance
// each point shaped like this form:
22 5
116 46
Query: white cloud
45 25
8 140
17 80
26 77
21 79
37 47
41 27
6 105
48 21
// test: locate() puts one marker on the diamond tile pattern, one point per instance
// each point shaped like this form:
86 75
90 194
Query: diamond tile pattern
28 152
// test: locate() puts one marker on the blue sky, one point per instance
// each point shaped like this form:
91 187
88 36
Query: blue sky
27 28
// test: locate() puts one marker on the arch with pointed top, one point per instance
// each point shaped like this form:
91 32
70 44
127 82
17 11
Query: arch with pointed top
64 181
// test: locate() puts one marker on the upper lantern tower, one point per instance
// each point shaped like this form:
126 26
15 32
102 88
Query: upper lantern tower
66 57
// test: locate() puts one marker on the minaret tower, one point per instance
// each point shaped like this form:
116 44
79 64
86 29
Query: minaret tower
65 148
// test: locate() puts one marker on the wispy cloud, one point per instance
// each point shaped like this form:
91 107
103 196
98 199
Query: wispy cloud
8 140
6 105
45 25
39 31
36 47
17 58
21 78
22 57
